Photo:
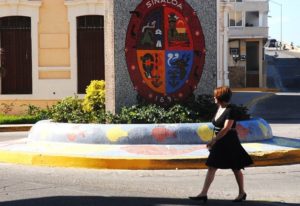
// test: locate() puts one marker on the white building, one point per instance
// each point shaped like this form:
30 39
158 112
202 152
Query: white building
243 31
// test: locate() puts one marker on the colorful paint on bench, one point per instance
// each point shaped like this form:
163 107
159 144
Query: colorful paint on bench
189 133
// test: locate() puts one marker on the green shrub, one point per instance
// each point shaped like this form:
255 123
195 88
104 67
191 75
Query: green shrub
13 119
99 116
70 110
179 114
241 112
203 108
38 112
32 109
140 114
151 113
94 100
92 110
34 114
75 110
6 108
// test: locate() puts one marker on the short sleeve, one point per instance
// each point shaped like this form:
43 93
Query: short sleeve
230 114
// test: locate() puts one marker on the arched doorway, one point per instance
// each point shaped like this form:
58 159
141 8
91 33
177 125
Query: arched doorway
90 50
16 60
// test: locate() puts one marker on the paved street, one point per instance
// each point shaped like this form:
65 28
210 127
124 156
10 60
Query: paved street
4 136
28 185
272 186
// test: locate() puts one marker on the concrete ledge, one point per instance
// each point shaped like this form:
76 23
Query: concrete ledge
255 89
15 128
266 152
275 151
97 163
191 133
281 157
260 159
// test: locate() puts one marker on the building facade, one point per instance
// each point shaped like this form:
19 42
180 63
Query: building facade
44 48
51 49
243 32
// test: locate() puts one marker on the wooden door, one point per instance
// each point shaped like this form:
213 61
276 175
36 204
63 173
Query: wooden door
90 50
15 43
252 73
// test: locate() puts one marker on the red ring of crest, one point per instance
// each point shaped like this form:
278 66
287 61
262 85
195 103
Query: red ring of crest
141 12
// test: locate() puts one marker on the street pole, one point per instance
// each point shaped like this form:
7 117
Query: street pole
281 24
279 4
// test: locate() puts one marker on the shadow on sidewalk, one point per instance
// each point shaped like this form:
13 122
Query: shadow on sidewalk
128 201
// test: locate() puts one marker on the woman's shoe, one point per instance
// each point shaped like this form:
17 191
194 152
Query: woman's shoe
242 198
199 198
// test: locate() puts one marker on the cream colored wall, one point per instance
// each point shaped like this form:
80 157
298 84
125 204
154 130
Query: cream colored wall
21 106
54 73
54 34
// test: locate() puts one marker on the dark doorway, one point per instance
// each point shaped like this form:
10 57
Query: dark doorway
90 50
252 76
16 62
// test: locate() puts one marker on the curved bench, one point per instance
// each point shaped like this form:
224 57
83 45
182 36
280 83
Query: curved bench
188 133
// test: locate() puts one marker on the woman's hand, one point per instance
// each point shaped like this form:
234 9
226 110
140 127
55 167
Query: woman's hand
227 126
211 143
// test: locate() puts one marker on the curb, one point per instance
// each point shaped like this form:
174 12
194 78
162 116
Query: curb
13 128
283 157
253 89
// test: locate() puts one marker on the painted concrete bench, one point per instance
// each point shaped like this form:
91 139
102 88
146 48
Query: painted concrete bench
189 133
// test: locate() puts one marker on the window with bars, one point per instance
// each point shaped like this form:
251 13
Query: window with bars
15 22
90 22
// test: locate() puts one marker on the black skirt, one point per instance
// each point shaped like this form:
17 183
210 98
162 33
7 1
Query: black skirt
228 153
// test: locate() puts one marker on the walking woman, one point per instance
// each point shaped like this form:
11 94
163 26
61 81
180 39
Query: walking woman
226 151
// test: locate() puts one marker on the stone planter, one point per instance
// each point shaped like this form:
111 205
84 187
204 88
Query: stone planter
190 133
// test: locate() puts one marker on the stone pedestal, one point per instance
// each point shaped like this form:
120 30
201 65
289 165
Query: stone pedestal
124 93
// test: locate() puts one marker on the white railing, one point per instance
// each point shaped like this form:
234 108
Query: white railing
228 1
247 5
248 32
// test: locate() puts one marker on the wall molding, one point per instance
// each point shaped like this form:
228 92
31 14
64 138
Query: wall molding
94 7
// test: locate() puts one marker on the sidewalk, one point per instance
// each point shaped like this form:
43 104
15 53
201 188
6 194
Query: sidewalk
275 151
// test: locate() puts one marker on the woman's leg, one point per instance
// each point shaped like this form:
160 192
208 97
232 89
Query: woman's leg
240 181
210 175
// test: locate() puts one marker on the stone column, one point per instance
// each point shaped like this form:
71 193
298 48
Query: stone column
220 36
0 65
110 99
225 74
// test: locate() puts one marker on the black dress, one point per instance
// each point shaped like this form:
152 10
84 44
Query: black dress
228 153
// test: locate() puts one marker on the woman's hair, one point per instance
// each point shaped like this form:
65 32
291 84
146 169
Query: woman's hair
223 94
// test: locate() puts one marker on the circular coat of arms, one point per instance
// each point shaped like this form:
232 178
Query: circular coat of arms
165 50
